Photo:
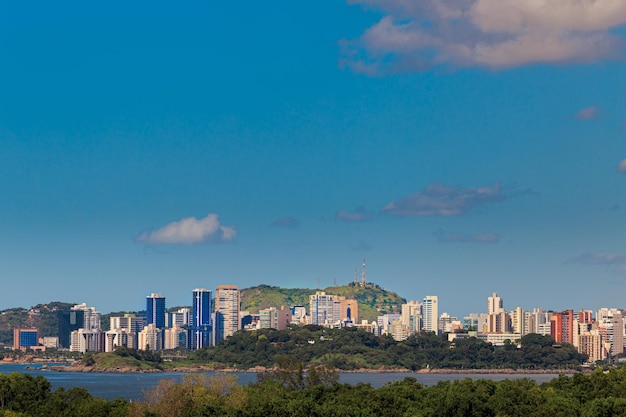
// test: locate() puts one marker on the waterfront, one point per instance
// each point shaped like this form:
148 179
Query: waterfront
131 386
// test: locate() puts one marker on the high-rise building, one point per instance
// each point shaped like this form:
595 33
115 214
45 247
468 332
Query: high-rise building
119 337
150 338
611 327
430 314
562 327
540 322
68 321
78 317
181 318
499 322
384 322
412 316
129 322
155 310
175 337
201 328
86 340
348 309
494 304
585 316
227 304
518 321
123 331
590 344
273 318
322 309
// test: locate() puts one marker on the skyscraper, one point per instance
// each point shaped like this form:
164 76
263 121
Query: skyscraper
494 304
227 304
200 319
322 309
430 313
78 317
155 310
562 326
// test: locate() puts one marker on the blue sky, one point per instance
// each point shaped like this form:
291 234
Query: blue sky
460 146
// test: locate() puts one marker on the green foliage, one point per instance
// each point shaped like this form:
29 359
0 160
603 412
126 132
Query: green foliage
291 391
42 317
196 395
140 355
124 358
291 374
351 349
372 299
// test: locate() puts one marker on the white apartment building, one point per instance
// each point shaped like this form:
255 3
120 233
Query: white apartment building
150 338
227 306
412 316
430 314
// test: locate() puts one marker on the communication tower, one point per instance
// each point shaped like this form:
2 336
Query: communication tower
363 275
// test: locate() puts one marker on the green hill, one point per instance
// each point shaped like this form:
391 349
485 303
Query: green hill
373 300
42 316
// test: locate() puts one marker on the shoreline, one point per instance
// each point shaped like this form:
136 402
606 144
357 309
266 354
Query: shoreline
65 367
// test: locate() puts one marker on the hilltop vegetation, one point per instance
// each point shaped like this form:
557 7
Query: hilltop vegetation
42 317
373 300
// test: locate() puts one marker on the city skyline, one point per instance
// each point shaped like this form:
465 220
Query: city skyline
153 147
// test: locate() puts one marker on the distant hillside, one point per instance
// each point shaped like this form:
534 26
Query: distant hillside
373 300
42 316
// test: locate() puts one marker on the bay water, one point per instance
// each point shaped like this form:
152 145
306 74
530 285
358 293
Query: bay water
131 386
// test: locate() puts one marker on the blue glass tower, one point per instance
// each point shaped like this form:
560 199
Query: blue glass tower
155 310
201 319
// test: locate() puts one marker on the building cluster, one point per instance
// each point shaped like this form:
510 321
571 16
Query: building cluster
600 336
202 325
214 317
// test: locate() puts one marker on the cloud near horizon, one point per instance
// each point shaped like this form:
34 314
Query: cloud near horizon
358 215
588 113
416 35
613 261
189 231
469 238
441 200
286 222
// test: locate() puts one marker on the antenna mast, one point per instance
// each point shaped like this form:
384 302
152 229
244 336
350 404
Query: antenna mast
363 275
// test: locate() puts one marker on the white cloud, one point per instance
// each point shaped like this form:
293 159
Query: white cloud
588 113
622 166
469 238
358 215
441 200
614 262
190 231
597 258
417 34
286 222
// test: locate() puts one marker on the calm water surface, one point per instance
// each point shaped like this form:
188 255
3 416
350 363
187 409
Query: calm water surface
132 386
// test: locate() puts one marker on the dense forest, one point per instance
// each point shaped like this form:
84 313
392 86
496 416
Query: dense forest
289 391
